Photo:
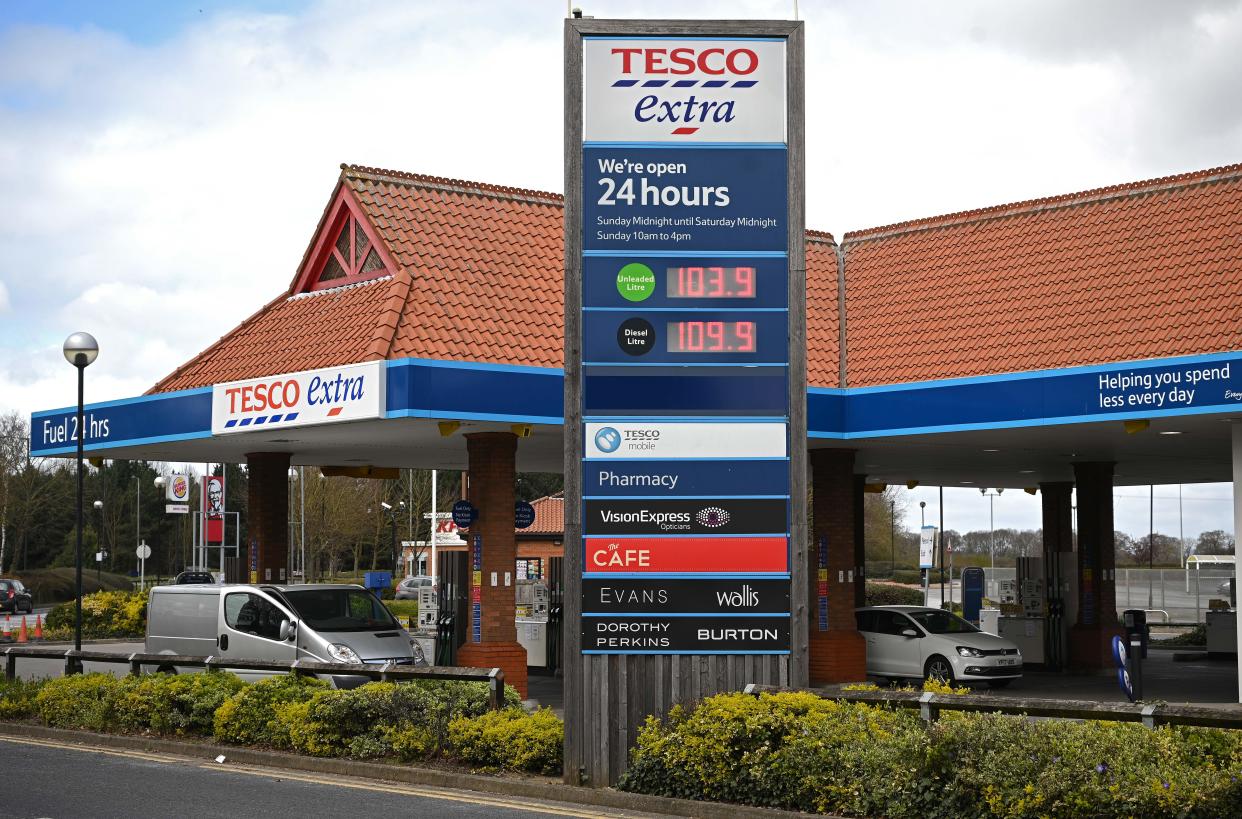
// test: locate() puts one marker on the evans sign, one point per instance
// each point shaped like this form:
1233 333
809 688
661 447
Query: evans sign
658 89
324 396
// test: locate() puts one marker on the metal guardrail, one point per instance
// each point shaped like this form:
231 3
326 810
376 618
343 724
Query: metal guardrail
389 672
930 705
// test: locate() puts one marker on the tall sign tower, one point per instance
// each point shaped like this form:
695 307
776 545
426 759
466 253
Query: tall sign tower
685 365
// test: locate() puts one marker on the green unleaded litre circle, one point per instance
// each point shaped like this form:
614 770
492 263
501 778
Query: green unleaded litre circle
636 282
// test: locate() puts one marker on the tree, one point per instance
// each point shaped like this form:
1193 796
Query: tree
1214 542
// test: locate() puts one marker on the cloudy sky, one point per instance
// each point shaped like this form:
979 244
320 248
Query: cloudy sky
162 163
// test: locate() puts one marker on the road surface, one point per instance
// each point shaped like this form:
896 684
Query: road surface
61 779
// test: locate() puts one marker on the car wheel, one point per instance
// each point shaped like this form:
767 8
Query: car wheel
166 669
939 669
998 683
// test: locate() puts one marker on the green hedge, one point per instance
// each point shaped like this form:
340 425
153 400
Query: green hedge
105 615
888 594
510 739
407 721
800 752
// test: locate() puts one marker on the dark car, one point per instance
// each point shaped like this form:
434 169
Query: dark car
15 597
194 577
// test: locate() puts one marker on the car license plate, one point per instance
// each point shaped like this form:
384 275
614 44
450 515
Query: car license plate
1007 661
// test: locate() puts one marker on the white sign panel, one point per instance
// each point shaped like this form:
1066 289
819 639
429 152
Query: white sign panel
178 488
927 547
349 393
685 440
176 508
657 89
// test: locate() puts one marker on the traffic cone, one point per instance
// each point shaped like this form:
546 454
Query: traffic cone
39 627
8 625
22 636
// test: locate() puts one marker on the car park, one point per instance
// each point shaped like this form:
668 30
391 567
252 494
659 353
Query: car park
408 588
905 642
317 623
15 597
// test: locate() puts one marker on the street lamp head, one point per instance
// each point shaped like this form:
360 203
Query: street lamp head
81 349
160 482
922 504
387 506
293 473
98 504
1000 490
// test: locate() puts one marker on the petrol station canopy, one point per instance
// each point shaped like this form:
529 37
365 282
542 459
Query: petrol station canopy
992 347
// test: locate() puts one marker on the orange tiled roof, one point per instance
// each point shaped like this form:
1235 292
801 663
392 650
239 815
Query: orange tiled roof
1145 270
549 517
479 279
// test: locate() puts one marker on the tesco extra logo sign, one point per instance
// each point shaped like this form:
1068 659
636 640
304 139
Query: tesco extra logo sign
349 393
678 90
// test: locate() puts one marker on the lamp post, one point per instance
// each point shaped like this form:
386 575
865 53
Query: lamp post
102 551
990 495
80 350
160 482
892 535
922 513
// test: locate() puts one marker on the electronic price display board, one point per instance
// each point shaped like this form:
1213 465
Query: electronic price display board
685 346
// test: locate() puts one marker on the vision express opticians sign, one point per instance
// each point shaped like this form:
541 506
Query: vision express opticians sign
682 596
690 516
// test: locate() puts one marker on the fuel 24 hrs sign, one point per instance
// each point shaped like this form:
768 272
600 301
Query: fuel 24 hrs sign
685 346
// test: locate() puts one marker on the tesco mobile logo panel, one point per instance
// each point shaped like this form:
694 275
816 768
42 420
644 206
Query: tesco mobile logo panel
684 90
351 393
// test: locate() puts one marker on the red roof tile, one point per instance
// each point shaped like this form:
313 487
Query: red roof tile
1144 270
479 278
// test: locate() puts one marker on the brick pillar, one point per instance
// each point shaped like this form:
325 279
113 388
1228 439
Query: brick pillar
860 541
1058 517
267 514
1097 597
492 477
1058 548
837 653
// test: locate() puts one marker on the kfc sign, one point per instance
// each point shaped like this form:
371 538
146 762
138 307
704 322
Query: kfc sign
349 393
669 90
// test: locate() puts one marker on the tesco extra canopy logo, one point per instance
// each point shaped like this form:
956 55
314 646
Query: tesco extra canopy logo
678 90
349 393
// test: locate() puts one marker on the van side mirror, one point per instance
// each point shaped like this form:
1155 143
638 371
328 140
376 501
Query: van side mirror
288 629
909 632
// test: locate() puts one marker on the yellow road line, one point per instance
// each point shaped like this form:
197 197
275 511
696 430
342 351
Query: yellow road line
430 793
49 743
325 779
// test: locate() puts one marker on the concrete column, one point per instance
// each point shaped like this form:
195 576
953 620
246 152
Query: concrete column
1237 525
267 515
838 652
491 478
1097 600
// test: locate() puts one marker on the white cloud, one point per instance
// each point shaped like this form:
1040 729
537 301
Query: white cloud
158 194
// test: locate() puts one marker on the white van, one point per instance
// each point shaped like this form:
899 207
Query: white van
321 623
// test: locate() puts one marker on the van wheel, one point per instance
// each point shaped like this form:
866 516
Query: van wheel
166 669
939 669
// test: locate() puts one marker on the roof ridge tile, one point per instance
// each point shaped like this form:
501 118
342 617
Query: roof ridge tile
447 185
1066 200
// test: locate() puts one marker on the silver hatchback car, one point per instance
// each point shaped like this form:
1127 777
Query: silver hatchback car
917 642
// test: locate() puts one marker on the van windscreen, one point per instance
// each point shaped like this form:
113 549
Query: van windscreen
340 610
